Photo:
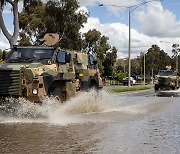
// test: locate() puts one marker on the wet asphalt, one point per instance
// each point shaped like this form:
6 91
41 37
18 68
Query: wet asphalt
128 123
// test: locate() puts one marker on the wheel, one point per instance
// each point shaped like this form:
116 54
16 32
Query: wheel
58 96
93 85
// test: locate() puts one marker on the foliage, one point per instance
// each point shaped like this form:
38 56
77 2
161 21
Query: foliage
92 40
155 59
59 17
121 75
109 62
31 22
135 67
96 43
122 65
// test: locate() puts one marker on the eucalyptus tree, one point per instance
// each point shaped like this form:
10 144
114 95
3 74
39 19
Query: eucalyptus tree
63 17
156 59
12 38
109 62
31 23
97 43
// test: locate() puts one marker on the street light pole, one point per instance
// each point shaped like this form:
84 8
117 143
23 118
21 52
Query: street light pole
129 51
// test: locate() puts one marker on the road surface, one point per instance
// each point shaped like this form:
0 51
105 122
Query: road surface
128 123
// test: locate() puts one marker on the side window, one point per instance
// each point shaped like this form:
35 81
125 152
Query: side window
91 60
61 57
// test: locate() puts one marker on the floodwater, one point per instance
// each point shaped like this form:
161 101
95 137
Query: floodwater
92 123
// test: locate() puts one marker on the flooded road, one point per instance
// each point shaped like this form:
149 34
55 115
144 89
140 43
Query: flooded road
105 123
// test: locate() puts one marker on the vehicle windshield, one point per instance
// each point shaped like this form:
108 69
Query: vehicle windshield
167 73
29 55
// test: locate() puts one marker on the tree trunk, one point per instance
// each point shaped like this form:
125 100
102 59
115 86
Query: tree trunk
16 23
11 38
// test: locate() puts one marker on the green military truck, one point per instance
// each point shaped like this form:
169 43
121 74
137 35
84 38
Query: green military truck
34 72
166 80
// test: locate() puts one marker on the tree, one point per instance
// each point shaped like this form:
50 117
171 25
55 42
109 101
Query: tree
14 4
121 75
156 59
96 43
122 65
110 59
60 17
135 67
91 40
31 23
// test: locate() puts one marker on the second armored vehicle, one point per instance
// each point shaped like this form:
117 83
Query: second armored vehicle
166 79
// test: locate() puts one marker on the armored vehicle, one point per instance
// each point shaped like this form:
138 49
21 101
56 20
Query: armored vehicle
166 79
34 72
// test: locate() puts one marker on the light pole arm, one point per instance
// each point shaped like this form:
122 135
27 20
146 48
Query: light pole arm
134 7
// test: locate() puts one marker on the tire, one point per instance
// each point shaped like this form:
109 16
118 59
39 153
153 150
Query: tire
58 96
93 85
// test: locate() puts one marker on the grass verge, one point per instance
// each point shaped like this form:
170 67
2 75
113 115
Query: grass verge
126 89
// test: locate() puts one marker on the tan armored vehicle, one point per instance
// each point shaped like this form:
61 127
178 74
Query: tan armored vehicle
166 79
34 72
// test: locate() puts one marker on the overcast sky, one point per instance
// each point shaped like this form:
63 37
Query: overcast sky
154 23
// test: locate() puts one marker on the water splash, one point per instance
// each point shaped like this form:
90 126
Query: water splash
85 107
21 110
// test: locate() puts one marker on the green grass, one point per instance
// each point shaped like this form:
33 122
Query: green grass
126 89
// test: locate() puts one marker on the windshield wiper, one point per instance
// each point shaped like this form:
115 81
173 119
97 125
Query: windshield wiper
15 60
30 59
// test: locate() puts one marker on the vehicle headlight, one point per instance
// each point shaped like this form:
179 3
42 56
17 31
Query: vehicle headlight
172 83
35 91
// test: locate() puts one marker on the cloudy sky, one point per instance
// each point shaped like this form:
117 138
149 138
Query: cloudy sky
157 22
154 23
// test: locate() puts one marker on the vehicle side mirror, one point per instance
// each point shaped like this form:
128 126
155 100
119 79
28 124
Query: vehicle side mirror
61 57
